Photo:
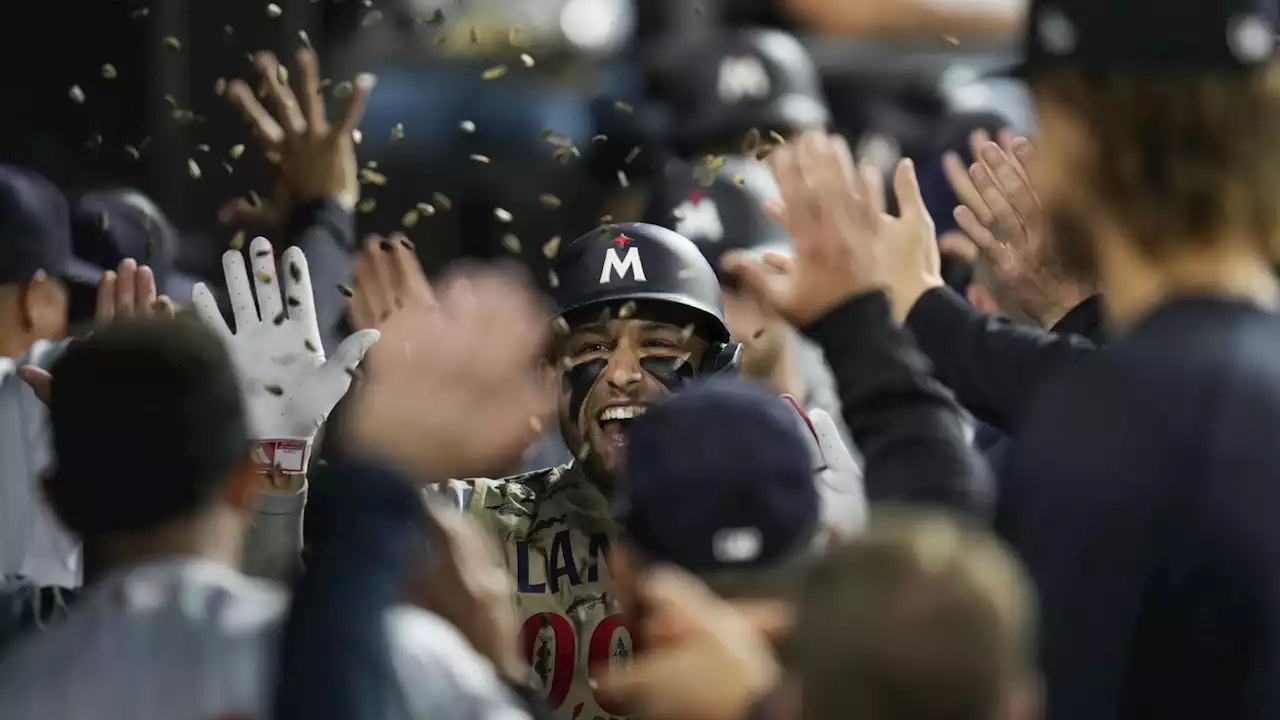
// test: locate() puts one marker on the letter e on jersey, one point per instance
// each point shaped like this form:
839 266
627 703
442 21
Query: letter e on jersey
622 265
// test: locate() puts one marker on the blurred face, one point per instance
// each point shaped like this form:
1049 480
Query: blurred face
611 372
763 334
1060 178
33 310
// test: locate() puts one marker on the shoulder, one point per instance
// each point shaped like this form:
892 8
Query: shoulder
514 494
441 673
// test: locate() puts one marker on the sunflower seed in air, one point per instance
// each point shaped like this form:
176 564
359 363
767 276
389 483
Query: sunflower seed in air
274 389
551 247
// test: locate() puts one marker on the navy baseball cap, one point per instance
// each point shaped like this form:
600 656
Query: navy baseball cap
108 226
35 231
719 477
1148 36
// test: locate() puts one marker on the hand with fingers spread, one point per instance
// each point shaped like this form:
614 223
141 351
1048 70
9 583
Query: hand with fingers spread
289 386
128 291
1001 214
456 378
315 159
467 583
703 659
845 244
388 277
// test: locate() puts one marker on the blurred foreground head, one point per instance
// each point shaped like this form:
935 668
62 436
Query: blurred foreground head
720 482
149 432
926 617
1158 145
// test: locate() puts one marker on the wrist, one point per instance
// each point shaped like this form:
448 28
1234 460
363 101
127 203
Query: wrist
904 298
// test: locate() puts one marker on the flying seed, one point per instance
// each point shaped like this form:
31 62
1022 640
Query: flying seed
511 243
560 326
442 200
627 310
295 272
606 219
193 169
599 139
273 156
132 151
305 38
632 155
715 162
273 10
738 179
397 132
623 107
109 71
777 137
410 219
220 86
346 291
310 346
279 318
467 126
622 180
367 206
201 147
282 75
527 59
371 177
550 202
264 278
494 72
261 253
293 302
373 18
482 159
356 136
76 94
343 89
274 389
104 221
426 209
173 43
237 240
553 279
502 215
551 247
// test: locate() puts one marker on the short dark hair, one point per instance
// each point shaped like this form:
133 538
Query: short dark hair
148 425
926 617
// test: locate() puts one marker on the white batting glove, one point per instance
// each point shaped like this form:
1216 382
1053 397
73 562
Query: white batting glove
837 474
289 388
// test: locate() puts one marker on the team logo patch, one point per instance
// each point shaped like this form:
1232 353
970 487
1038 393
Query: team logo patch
698 219
622 265
742 77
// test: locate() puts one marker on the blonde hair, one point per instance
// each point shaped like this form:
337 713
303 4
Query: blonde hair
1179 160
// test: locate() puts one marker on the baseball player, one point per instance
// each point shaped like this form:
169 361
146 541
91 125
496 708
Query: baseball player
166 627
639 310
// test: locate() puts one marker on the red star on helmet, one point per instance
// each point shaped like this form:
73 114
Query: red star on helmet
621 241
696 196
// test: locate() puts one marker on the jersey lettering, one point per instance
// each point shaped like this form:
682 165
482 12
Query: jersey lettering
742 76
698 219
559 568
622 265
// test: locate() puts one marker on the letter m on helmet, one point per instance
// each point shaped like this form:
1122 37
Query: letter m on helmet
622 265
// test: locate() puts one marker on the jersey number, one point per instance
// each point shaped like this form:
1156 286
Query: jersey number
599 648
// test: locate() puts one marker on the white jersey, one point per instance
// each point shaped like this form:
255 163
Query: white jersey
194 640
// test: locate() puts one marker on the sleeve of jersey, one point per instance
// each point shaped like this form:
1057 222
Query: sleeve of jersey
273 549
442 675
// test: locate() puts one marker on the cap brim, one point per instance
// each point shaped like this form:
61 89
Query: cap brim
81 272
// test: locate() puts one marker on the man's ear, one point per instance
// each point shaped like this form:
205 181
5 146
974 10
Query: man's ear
245 482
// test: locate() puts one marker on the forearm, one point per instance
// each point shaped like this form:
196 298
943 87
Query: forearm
908 428
273 549
899 18
992 365
326 234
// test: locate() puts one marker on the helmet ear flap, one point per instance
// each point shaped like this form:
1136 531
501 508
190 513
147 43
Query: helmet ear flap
721 359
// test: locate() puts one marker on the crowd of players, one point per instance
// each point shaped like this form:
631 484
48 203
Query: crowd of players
799 476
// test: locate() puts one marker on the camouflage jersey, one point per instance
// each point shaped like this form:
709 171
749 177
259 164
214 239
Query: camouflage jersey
555 529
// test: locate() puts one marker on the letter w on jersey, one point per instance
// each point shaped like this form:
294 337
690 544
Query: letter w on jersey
742 76
622 265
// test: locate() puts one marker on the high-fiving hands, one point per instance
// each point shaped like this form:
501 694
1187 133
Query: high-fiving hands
845 244
313 158
1002 215
289 386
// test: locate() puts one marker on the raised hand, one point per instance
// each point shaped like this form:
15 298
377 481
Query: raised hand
1001 214
289 386
456 382
313 158
388 277
845 244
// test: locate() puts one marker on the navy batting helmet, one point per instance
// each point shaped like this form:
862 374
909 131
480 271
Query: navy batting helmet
654 272
721 87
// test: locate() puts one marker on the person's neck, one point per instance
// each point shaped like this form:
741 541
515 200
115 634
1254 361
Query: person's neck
1134 286
213 539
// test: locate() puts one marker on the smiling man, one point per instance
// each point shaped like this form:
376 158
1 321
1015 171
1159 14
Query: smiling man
639 313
